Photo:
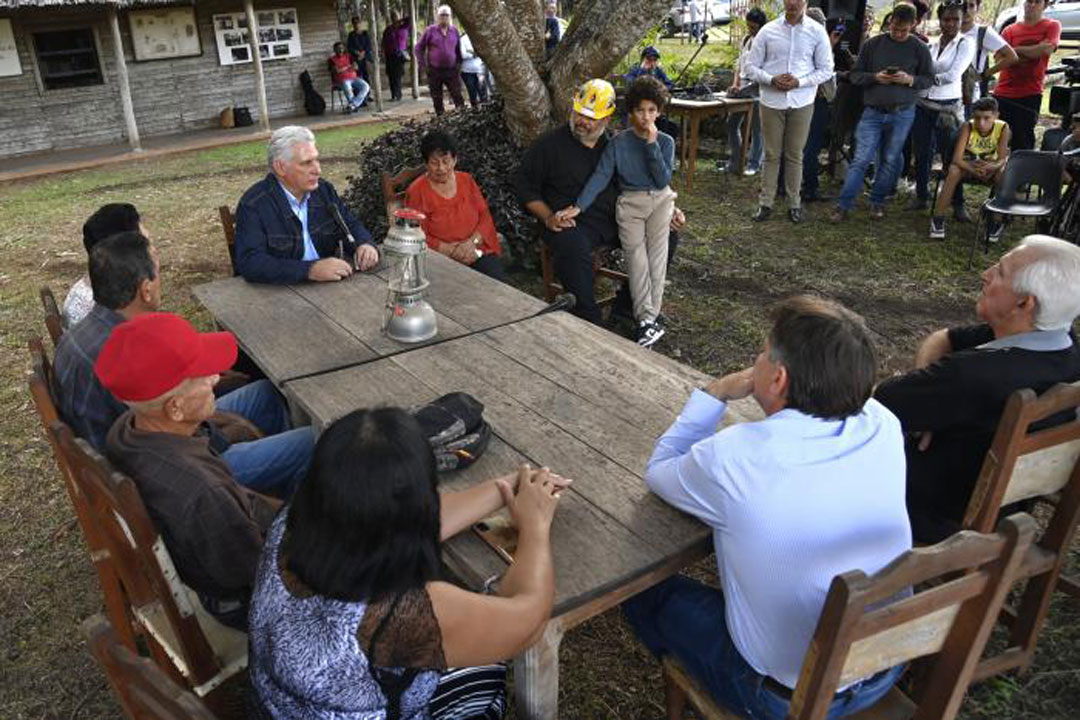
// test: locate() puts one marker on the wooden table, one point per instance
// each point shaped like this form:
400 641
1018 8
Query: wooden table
694 111
563 393
294 331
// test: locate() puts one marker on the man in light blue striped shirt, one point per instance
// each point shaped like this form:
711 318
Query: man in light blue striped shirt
813 490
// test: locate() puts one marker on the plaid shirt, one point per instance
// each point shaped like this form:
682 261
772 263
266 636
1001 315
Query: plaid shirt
84 403
213 527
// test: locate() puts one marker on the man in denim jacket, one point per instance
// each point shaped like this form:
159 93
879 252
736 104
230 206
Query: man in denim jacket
286 231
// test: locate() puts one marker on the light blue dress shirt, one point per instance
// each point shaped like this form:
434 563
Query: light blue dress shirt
793 501
300 208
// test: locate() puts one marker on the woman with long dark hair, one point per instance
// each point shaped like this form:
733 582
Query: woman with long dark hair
350 618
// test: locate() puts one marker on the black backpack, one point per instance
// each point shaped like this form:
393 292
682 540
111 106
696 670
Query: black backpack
314 103
455 428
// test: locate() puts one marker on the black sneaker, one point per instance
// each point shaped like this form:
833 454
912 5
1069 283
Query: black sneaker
937 228
994 230
796 215
648 333
762 214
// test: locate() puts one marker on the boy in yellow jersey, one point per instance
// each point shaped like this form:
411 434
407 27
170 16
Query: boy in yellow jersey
981 151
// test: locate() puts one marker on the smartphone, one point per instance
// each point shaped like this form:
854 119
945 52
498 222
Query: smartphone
839 29
892 70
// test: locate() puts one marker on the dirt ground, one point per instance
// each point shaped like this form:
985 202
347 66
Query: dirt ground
727 272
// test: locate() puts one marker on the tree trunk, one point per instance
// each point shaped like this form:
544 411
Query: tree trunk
538 93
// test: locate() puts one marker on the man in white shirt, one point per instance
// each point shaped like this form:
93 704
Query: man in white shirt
987 43
790 57
813 490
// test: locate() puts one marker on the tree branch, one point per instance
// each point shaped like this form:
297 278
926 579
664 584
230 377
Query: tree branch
529 21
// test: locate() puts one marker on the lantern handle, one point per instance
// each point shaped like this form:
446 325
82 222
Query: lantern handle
409 214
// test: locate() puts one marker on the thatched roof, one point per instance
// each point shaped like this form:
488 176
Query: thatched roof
13 4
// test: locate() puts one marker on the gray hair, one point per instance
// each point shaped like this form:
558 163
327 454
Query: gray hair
444 10
1053 278
153 405
815 13
282 141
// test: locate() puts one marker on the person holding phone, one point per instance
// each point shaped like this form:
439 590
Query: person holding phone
892 68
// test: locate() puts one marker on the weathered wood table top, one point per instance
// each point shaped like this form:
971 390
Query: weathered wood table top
293 331
563 393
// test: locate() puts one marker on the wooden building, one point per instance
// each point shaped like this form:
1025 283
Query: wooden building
78 73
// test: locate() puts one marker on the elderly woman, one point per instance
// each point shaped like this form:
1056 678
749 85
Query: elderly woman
350 618
458 223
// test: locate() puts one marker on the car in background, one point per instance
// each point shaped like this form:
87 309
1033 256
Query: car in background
717 12
1066 13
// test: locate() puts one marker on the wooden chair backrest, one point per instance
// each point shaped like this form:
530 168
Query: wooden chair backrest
138 552
144 691
394 187
43 391
1020 464
53 321
864 628
228 227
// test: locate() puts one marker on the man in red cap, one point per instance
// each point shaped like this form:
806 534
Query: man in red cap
165 372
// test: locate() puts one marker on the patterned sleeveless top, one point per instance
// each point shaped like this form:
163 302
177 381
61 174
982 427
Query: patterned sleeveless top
310 655
983 147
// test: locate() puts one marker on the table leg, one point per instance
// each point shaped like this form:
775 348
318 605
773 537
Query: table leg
695 127
536 676
746 138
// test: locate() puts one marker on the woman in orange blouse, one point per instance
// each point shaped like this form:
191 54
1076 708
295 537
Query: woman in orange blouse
458 223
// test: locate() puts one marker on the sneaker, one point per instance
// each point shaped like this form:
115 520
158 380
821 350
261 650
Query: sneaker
960 214
762 214
994 230
877 212
937 228
838 215
917 203
796 215
648 333
751 171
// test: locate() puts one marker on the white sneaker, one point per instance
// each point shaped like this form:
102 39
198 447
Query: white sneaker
648 333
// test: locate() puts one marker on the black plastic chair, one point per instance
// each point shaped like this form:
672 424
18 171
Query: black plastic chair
1024 169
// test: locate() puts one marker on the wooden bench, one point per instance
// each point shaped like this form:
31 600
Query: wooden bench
861 632
1023 465
184 640
144 691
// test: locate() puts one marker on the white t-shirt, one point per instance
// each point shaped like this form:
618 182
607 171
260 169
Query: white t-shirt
992 42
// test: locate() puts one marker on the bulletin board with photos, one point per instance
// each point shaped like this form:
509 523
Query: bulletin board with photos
161 33
278 36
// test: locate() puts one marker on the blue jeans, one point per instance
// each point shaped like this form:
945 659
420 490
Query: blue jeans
757 142
356 91
819 124
686 619
278 462
888 129
928 135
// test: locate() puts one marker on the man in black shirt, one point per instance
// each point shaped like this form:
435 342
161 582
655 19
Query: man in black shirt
952 401
358 43
891 68
552 173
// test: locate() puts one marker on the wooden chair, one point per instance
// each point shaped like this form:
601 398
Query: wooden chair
185 640
601 268
42 390
228 227
1025 464
863 630
144 691
53 321
394 187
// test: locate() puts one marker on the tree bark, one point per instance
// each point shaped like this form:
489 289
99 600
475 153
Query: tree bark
538 94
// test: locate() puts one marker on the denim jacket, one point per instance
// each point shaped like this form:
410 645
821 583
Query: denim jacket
270 240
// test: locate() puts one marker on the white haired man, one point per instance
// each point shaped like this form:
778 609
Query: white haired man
951 402
439 50
286 231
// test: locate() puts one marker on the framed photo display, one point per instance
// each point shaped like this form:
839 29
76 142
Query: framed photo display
278 36
164 33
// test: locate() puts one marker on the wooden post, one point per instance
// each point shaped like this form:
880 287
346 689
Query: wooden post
373 31
260 79
413 19
536 676
122 80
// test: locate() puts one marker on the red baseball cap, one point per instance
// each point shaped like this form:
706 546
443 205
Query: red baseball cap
151 354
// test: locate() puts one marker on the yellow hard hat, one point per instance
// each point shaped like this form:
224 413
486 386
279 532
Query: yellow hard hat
595 99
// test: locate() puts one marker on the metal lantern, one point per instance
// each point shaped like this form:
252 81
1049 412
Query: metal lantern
408 317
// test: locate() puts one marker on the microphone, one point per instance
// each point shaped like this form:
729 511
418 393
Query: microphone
344 228
564 301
